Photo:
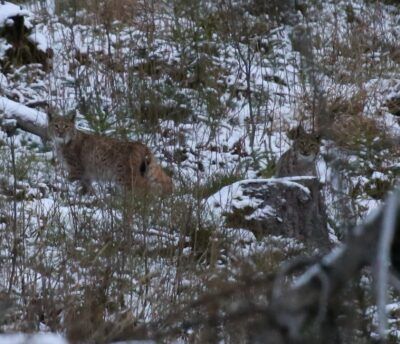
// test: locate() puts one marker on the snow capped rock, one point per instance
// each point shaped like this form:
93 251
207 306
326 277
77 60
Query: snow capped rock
8 10
288 206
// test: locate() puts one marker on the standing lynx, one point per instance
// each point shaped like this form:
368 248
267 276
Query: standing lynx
90 157
299 160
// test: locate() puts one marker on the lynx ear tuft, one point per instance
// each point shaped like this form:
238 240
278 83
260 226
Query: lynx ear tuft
295 133
71 116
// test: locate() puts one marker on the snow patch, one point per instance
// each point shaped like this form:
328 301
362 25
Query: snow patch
8 10
40 338
39 39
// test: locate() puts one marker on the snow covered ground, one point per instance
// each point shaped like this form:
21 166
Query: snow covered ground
233 113
34 339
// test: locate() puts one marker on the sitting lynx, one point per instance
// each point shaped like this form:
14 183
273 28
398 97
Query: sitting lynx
299 160
90 157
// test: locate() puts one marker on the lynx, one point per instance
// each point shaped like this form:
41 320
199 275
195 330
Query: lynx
299 160
90 157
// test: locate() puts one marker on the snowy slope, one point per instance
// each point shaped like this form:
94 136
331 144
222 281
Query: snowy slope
110 78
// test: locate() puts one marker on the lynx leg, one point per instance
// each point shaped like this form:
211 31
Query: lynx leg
75 172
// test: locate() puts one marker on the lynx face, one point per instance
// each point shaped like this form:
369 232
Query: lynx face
61 129
299 160
307 145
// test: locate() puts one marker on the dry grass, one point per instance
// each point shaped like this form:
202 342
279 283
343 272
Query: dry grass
103 11
103 280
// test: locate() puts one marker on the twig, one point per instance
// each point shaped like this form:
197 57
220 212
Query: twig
14 251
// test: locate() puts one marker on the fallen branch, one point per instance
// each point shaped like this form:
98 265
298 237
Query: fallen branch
28 119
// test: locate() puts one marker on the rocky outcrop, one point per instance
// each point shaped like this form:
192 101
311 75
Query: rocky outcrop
24 44
291 206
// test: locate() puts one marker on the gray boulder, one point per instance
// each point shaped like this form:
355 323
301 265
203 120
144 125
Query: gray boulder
290 206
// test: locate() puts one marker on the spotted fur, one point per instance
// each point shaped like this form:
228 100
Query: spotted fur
90 157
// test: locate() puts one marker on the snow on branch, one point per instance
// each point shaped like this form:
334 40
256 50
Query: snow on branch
9 10
27 119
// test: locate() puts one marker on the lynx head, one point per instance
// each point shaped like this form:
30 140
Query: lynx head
306 144
61 129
